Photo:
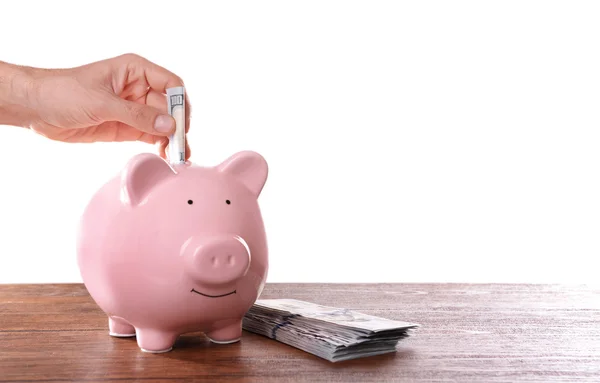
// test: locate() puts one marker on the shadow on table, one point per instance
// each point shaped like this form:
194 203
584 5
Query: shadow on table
253 349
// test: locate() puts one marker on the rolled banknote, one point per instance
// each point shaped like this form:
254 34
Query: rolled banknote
176 105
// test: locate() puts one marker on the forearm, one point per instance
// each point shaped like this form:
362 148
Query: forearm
16 84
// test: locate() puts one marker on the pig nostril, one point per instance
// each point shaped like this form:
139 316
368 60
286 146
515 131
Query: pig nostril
230 259
213 260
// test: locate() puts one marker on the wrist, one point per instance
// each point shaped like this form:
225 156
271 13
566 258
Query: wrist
17 84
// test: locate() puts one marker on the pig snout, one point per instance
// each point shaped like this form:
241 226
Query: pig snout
216 260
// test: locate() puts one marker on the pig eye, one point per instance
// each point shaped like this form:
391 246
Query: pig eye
190 202
228 202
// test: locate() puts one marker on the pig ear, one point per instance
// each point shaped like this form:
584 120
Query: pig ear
140 175
248 167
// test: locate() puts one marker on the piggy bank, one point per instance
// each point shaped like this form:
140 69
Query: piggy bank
166 249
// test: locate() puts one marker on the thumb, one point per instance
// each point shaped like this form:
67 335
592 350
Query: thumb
141 117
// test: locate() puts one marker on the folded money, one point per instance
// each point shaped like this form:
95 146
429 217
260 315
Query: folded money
176 106
330 333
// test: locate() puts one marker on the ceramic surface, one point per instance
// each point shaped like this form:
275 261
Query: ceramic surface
165 250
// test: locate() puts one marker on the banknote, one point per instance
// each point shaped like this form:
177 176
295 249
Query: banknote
176 106
333 315
331 333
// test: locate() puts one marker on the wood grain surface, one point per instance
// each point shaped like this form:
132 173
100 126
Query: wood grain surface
469 333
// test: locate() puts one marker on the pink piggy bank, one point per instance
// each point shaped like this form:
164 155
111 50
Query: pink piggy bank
166 250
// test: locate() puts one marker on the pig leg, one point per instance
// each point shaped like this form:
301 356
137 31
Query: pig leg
120 328
230 333
155 341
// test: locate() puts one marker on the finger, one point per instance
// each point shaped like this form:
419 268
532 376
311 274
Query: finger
157 100
161 146
188 151
135 91
158 77
115 131
142 117
161 79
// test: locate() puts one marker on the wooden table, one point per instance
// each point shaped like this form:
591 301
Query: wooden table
470 333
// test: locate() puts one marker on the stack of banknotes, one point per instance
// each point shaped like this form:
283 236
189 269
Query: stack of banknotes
331 333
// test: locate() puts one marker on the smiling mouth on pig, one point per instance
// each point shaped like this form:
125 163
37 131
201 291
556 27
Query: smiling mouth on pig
212 296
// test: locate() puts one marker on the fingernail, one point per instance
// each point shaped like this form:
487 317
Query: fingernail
164 124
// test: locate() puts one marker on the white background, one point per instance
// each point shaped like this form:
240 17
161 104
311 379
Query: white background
425 141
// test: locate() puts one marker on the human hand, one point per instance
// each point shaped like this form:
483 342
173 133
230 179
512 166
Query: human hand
118 99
